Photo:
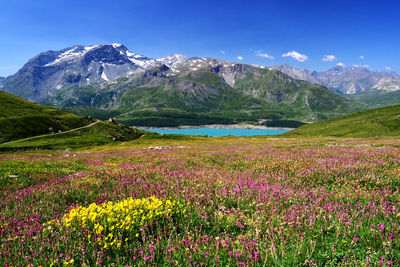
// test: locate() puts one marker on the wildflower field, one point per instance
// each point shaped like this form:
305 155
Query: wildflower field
204 202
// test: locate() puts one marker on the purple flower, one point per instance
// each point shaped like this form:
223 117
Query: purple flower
391 236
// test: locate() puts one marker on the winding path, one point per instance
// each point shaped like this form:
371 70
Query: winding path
44 135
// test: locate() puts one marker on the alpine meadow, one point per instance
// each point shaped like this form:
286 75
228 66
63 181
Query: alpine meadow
203 133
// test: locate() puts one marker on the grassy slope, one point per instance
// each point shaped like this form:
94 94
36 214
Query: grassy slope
375 122
376 99
20 118
99 134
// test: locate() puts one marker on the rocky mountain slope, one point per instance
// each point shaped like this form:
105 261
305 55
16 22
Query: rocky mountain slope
2 80
77 66
109 80
346 80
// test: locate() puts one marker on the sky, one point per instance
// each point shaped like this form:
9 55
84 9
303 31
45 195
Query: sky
315 35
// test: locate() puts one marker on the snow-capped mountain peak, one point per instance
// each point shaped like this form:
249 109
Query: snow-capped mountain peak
73 53
173 59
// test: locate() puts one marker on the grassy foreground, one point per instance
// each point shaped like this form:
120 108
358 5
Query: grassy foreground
197 201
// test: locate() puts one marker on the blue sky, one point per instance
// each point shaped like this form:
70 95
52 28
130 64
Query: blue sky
252 32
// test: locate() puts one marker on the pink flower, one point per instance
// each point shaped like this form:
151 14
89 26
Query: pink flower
355 239
217 259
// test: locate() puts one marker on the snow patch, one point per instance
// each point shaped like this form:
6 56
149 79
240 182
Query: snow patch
71 54
104 76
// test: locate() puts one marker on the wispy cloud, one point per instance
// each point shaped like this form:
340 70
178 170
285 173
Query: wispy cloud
340 64
361 57
328 58
223 52
388 68
264 55
240 57
360 66
296 55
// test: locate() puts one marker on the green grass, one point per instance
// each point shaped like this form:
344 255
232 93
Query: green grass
246 201
377 98
20 118
98 134
375 122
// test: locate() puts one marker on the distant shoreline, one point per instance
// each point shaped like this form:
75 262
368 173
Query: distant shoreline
217 126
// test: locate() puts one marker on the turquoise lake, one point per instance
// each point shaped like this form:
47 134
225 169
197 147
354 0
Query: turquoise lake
219 132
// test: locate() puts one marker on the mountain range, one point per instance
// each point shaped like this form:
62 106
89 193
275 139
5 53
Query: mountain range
110 81
346 80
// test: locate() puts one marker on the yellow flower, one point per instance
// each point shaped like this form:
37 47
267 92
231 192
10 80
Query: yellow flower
118 219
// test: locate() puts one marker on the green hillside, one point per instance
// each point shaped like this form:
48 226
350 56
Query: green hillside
20 118
161 98
27 125
375 122
376 98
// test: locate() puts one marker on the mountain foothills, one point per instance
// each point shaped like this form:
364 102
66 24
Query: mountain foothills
110 81
346 80
23 121
371 123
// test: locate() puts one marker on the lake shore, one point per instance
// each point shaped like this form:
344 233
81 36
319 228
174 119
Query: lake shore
219 126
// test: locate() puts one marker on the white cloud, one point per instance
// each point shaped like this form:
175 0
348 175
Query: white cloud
361 57
265 55
223 52
340 64
293 54
388 68
327 58
360 66
240 57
